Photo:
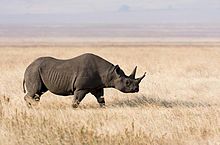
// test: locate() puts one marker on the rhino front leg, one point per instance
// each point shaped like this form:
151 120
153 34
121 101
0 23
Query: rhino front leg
99 96
101 101
78 97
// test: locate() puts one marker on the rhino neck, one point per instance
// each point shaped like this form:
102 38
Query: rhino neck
108 78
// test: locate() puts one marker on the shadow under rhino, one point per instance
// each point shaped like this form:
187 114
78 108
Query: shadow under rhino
139 101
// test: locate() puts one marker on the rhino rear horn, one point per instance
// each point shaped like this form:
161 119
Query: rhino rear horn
132 75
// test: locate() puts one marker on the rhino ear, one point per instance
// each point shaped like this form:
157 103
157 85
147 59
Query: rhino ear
132 75
117 70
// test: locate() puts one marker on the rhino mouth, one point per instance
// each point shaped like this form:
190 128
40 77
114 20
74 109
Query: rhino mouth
131 91
136 90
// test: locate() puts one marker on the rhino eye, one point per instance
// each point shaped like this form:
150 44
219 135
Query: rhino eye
127 83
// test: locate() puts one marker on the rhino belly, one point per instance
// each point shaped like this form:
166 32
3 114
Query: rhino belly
59 89
59 84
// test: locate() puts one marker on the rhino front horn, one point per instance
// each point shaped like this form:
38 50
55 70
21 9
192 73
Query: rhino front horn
132 75
139 79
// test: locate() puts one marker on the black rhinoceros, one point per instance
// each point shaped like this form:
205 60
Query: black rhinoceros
87 73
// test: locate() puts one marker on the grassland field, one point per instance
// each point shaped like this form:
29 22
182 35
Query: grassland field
178 102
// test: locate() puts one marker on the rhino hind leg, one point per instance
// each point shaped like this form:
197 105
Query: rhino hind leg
32 100
33 95
99 96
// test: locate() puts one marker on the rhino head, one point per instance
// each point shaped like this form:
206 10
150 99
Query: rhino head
124 83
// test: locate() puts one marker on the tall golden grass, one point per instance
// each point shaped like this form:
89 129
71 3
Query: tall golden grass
178 102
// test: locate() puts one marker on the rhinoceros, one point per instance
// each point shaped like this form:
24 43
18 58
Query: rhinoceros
87 73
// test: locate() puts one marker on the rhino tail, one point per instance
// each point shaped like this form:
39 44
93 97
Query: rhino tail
24 86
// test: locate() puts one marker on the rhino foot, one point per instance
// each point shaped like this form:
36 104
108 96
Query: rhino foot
30 102
37 99
102 105
75 105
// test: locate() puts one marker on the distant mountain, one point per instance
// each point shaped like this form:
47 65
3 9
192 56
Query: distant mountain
123 15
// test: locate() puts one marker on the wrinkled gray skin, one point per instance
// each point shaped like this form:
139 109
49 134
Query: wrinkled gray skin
87 73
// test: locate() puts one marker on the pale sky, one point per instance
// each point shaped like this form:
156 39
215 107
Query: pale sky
84 6
112 11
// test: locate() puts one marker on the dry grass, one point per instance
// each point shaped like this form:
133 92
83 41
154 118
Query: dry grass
178 101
